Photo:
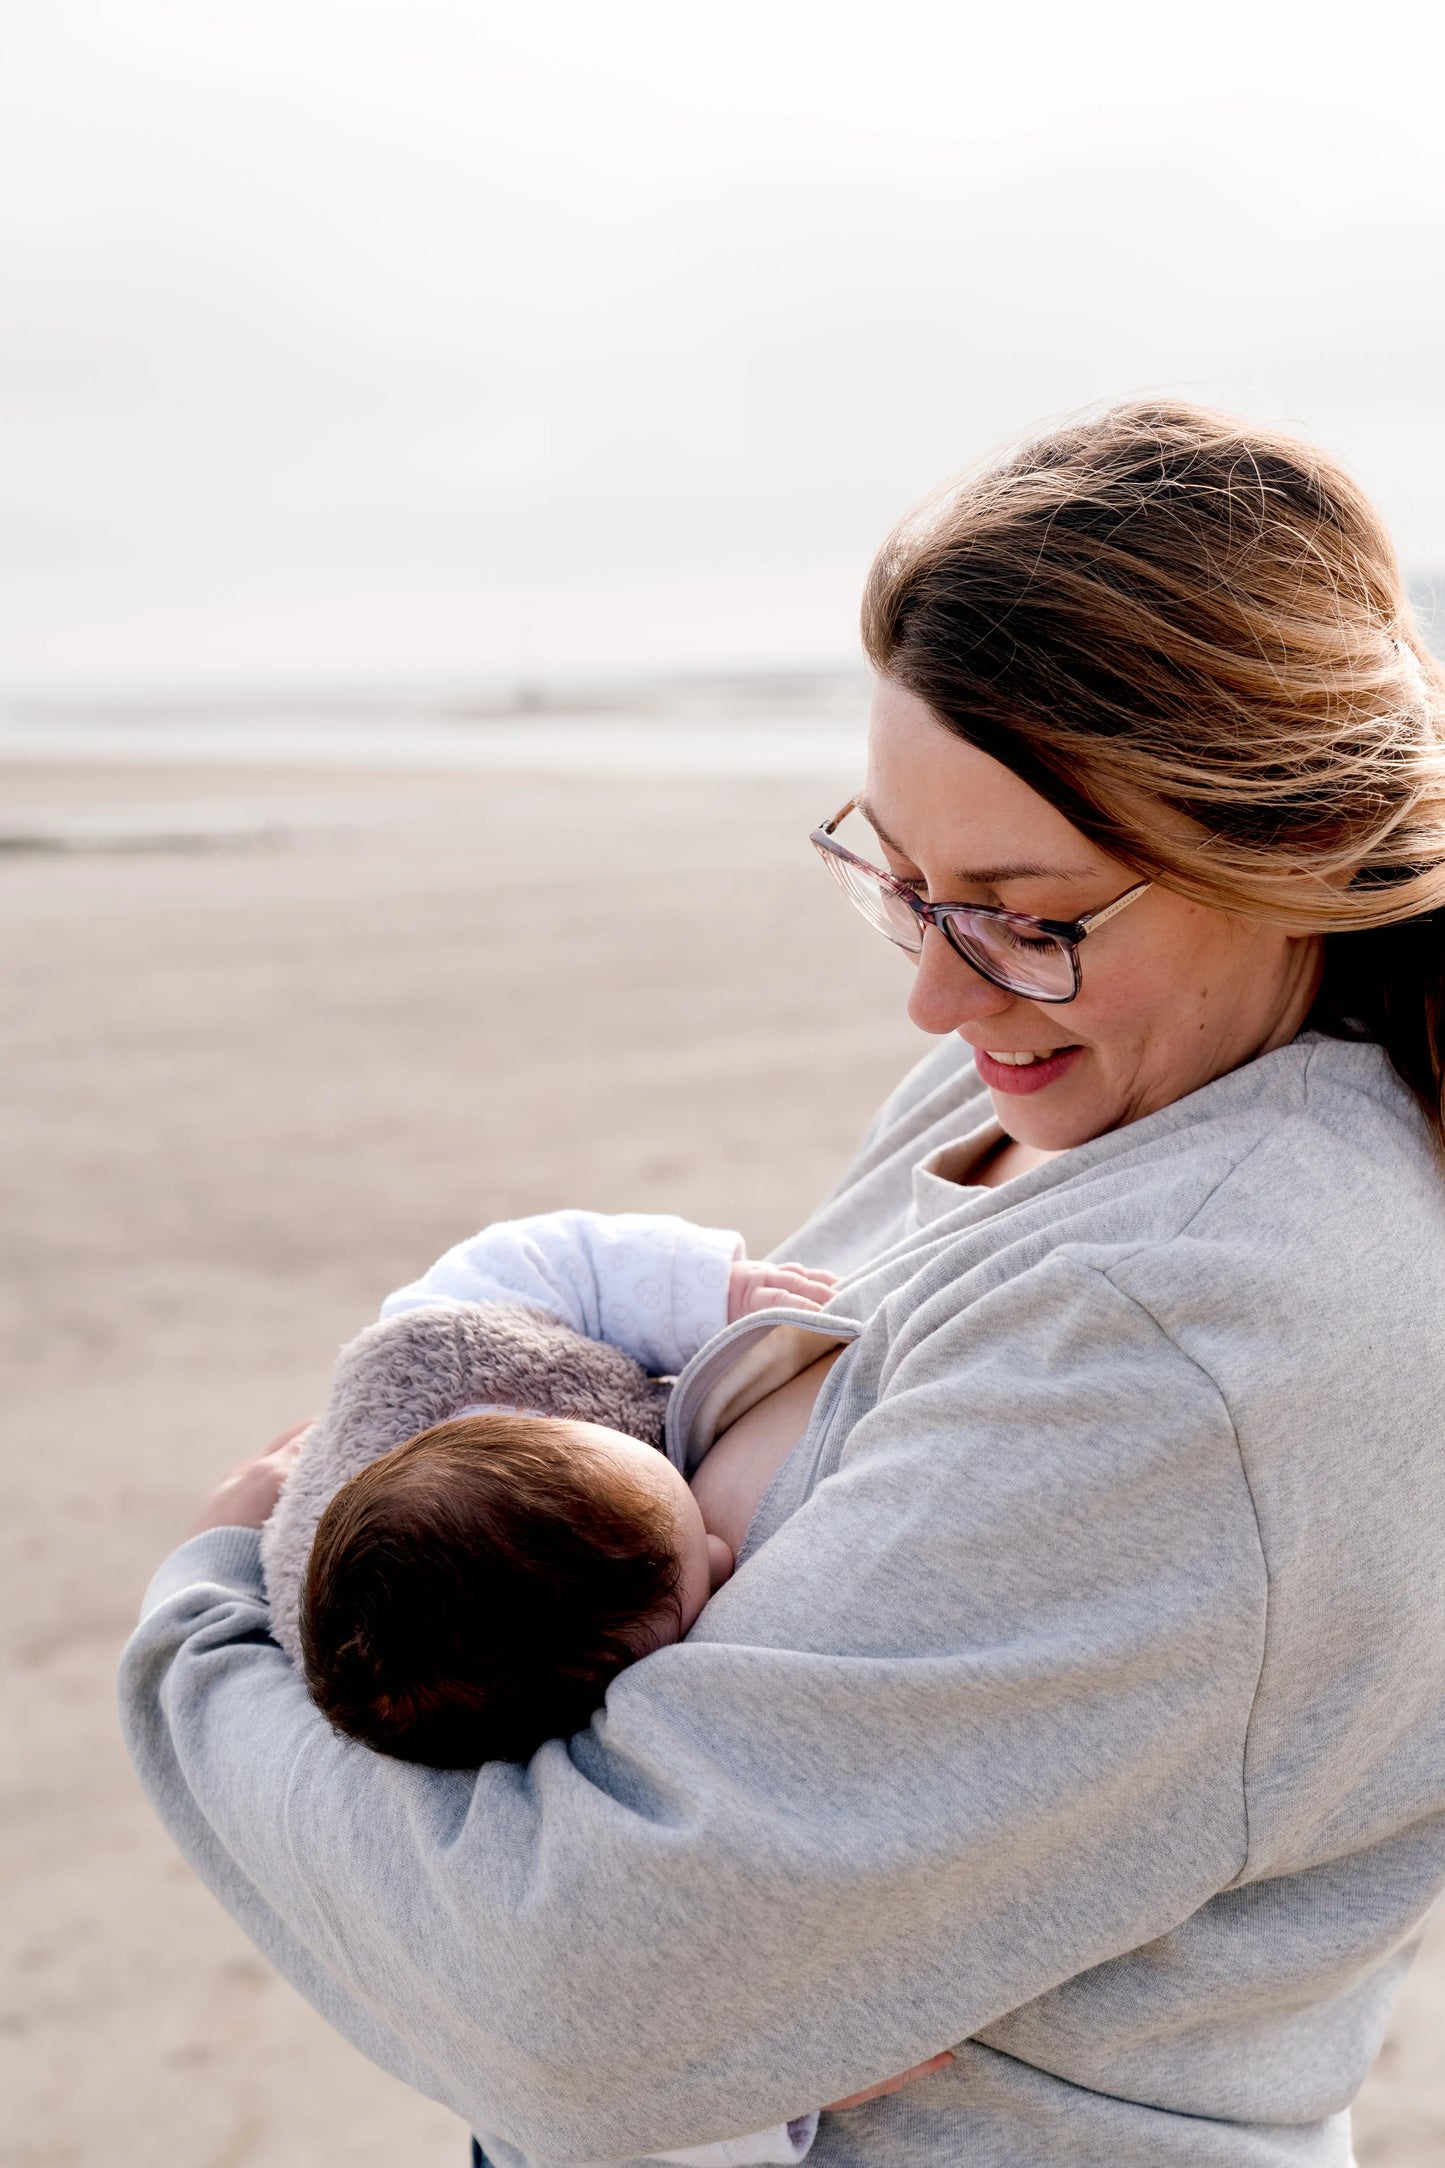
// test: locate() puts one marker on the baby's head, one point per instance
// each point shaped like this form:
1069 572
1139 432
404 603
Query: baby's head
472 1593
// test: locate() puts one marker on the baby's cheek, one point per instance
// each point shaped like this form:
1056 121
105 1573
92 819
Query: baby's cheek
720 1562
695 1548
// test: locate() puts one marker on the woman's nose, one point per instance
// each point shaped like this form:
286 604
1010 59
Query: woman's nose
947 992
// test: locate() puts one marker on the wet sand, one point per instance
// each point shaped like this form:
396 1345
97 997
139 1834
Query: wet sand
250 1087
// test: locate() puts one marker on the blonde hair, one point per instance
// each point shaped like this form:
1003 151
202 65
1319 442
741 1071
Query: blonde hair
1192 636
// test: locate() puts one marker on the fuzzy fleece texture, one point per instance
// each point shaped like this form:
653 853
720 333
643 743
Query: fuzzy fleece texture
420 1368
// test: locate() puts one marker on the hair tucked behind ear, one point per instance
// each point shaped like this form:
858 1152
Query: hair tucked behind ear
1192 637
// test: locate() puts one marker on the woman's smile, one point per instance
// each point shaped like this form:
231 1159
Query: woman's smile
1024 1071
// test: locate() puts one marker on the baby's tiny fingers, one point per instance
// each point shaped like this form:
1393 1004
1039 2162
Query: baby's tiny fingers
792 1295
816 1292
804 1278
769 1295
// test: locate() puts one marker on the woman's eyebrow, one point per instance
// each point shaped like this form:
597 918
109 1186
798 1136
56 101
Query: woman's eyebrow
985 876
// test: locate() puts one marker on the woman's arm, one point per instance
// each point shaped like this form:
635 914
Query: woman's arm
971 1722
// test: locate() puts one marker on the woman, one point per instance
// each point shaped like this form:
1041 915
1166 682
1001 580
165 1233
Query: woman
1080 1705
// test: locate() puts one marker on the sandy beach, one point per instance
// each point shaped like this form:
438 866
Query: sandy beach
260 1072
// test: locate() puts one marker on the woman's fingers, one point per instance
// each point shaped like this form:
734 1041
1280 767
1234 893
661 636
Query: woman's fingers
247 1497
892 2085
291 1437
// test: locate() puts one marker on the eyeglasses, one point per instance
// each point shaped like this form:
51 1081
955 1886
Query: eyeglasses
1035 957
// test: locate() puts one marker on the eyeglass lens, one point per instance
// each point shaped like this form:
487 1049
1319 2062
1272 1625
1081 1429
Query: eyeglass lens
1013 955
885 911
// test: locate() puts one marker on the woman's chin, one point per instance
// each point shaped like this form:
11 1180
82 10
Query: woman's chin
1044 1104
1048 1123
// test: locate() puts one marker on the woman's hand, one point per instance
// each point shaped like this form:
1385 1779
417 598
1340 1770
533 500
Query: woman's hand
247 1497
892 2085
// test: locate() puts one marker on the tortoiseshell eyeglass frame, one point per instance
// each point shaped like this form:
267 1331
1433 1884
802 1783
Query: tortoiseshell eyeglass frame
954 920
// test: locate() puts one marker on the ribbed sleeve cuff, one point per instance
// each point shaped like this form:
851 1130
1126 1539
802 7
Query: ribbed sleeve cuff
228 1557
701 1263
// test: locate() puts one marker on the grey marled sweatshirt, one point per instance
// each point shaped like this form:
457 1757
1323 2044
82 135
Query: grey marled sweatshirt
1080 1702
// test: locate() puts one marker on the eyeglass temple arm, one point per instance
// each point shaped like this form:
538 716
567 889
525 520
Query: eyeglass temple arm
839 817
1085 925
1111 910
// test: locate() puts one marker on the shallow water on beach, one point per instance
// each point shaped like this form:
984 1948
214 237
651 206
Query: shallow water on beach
537 745
798 723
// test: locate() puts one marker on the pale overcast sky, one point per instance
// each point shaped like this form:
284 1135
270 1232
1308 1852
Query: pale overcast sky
358 340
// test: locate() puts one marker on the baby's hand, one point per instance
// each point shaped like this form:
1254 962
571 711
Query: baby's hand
770 1286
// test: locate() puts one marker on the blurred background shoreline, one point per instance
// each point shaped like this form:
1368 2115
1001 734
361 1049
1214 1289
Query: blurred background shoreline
742 723
778 720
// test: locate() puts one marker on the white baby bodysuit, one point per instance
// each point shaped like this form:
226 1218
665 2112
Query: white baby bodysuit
650 1284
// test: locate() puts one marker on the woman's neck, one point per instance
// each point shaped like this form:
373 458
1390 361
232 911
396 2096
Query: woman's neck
1006 1159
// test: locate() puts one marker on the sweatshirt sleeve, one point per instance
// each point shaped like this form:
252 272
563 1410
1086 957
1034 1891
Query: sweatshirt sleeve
648 1283
971 1722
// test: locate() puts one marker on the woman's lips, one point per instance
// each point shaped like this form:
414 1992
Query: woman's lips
1034 1076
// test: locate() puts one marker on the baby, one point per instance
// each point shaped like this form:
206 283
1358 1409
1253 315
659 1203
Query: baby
475 1582
461 1589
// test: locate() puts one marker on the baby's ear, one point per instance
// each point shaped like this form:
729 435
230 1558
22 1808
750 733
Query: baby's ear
720 1562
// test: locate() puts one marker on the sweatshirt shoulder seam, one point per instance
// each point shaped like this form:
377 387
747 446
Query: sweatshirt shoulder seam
1162 1241
1145 1311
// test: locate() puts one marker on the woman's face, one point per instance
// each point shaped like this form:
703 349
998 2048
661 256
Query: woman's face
1173 993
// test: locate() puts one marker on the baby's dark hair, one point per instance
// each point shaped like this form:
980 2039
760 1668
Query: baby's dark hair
472 1593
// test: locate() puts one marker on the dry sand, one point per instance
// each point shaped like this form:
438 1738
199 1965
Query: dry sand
249 1090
